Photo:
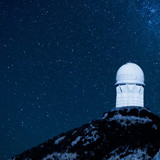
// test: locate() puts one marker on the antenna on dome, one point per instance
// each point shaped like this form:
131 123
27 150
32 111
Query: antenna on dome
130 86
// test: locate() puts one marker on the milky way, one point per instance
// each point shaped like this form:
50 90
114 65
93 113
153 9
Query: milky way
59 61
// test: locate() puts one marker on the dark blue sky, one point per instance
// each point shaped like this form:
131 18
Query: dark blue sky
58 62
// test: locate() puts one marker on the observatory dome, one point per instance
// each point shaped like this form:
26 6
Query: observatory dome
130 73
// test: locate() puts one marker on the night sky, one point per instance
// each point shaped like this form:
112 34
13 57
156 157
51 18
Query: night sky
58 63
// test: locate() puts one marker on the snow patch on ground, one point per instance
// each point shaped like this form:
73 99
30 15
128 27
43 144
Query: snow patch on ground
136 154
128 120
157 156
61 156
41 146
90 138
105 116
154 126
75 141
87 130
59 140
74 132
125 110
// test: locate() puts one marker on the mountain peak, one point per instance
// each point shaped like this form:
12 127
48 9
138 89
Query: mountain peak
123 133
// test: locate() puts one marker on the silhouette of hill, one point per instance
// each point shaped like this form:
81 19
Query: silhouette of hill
124 133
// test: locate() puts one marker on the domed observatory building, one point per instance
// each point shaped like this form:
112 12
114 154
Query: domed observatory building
130 86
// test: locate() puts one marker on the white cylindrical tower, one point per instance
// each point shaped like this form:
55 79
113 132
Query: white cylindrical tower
130 86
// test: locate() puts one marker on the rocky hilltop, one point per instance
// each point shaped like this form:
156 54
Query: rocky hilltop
126 133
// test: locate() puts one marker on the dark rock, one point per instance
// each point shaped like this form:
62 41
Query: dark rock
126 133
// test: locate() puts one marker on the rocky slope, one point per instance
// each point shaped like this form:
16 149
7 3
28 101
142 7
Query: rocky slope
127 133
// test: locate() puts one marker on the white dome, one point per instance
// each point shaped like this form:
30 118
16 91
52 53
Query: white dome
130 73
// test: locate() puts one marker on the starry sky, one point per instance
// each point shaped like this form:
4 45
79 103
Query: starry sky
58 63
